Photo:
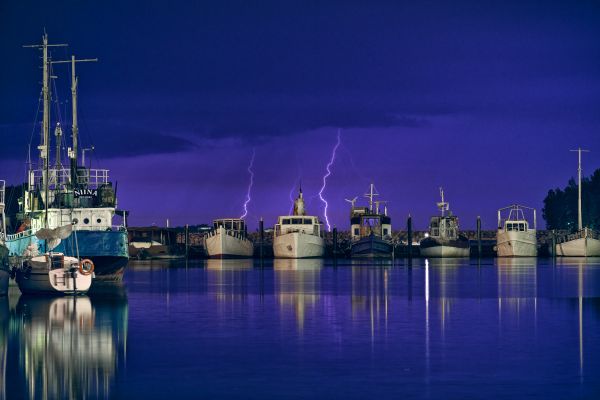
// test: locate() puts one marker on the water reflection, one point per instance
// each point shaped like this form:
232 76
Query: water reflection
297 285
370 294
228 279
4 315
68 347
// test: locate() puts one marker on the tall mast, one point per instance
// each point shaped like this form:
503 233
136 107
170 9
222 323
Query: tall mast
44 147
579 216
74 84
370 195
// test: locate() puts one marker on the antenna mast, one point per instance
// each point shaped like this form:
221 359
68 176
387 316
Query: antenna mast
579 217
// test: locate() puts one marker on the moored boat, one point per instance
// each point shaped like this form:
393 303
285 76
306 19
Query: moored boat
444 238
57 194
228 239
515 237
53 272
370 229
298 235
585 242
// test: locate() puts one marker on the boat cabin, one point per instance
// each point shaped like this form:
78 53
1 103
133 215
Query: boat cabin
299 223
230 224
365 224
516 220
444 227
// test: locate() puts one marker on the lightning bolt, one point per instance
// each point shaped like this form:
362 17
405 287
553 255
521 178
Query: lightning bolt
331 161
251 172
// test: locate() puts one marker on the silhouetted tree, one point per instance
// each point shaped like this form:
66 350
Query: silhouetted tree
560 206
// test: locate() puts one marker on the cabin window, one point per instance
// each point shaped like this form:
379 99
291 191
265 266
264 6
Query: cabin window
307 221
86 221
509 227
370 222
285 221
522 227
356 231
99 221
385 232
75 221
296 221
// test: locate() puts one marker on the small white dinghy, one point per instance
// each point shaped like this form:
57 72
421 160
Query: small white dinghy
55 273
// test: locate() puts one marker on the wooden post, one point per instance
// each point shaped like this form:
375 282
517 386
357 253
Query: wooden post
478 236
261 229
187 240
409 237
335 242
553 249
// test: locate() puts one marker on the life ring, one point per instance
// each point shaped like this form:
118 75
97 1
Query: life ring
86 267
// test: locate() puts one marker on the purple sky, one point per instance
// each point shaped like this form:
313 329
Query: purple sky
484 99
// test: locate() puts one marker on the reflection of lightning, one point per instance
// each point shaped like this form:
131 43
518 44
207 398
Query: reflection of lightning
251 172
331 161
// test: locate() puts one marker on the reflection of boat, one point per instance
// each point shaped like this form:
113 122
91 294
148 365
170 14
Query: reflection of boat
297 285
4 266
298 235
60 192
4 316
514 237
69 347
54 273
314 264
585 242
444 238
370 231
229 239
229 265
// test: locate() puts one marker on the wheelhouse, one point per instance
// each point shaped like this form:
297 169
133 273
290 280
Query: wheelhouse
298 223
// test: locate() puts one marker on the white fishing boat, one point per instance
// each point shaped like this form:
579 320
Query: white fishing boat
228 239
515 237
444 238
54 273
298 235
585 242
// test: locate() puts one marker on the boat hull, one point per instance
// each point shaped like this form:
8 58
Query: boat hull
108 250
431 247
4 270
516 243
222 245
372 247
582 247
38 281
298 245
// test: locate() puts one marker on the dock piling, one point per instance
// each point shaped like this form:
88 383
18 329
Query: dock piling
409 238
335 242
187 240
261 229
478 236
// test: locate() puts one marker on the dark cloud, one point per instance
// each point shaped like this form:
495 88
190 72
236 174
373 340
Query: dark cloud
110 140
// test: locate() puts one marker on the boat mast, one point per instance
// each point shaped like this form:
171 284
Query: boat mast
370 195
579 217
75 125
44 147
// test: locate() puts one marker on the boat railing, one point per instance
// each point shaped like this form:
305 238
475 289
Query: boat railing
19 235
57 177
582 234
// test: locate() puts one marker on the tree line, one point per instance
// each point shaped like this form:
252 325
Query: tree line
560 205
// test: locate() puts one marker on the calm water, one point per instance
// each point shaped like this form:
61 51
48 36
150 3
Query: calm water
313 329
